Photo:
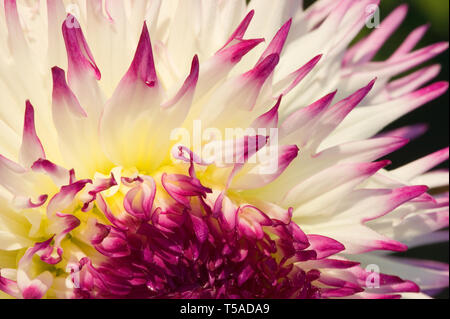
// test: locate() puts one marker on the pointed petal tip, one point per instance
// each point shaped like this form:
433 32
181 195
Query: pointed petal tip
431 91
248 18
270 118
397 142
195 64
331 95
413 191
237 51
189 84
442 85
323 102
292 151
277 105
403 141
31 148
372 83
403 8
371 168
61 91
410 132
302 72
424 27
285 28
439 47
29 125
421 128
58 74
359 95
239 33
270 61
28 106
143 65
277 43
384 163
442 154
316 58
346 105
144 32
59 79
194 72
289 152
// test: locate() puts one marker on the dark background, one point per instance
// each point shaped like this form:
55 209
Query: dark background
435 113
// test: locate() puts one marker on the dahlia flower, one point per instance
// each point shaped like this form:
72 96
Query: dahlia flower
118 178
